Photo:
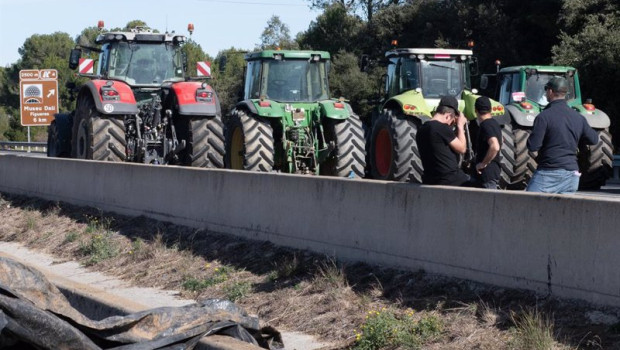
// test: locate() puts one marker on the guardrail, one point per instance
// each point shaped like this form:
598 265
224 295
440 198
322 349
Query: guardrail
616 167
19 146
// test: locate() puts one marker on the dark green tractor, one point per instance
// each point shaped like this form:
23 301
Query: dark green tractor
521 90
287 121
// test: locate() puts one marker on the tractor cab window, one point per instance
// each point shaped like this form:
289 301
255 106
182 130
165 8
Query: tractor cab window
408 75
509 83
442 78
103 60
535 87
252 86
294 80
145 63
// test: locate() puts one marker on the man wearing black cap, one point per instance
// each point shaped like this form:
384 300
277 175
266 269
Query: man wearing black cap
556 134
440 147
488 144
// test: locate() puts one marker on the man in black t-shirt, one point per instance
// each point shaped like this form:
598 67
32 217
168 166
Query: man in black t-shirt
489 142
440 147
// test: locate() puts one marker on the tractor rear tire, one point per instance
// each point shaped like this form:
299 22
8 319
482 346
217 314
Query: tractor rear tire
53 142
249 143
204 137
101 139
394 153
349 154
596 162
517 162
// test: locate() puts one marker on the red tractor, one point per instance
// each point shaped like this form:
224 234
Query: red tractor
139 106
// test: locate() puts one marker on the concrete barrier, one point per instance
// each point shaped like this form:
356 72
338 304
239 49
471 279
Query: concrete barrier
565 246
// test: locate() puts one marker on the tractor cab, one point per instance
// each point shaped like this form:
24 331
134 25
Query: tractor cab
287 76
137 57
525 87
434 72
141 57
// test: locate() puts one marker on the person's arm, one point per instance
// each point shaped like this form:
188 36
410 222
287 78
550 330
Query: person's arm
534 142
491 154
459 144
590 135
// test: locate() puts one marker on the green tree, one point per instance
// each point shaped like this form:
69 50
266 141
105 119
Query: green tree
228 71
590 41
346 80
276 35
366 7
194 53
334 30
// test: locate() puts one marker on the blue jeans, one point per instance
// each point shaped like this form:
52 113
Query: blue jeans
554 181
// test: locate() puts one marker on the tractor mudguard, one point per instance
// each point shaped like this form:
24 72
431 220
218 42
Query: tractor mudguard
469 98
64 125
520 118
411 103
125 105
186 93
331 109
597 119
270 108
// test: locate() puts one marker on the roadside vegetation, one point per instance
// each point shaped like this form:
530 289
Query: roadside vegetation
351 305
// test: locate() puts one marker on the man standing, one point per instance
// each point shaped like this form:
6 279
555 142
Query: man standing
557 131
488 144
440 147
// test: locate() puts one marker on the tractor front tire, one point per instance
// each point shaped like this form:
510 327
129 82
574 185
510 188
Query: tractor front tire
596 162
349 154
394 153
204 137
249 143
518 164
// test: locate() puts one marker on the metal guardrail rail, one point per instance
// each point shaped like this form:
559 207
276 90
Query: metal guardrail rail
616 168
20 146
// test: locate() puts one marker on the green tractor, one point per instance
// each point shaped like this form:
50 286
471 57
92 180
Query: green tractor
416 79
521 89
287 122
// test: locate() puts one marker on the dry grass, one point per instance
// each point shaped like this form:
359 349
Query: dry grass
298 290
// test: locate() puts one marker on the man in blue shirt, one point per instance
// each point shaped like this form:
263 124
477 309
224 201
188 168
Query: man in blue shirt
557 131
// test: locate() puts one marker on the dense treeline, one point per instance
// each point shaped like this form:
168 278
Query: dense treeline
581 33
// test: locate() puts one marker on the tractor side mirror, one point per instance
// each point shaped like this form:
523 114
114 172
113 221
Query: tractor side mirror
184 58
484 82
74 58
473 65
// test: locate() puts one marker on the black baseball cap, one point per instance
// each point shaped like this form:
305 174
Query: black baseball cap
483 104
557 84
450 101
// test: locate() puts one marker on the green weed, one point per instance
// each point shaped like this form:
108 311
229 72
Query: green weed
532 331
385 329
237 290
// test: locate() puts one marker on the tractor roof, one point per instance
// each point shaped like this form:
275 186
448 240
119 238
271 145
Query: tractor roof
431 52
287 54
140 34
544 69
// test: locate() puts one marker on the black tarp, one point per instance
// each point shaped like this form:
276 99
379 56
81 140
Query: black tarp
35 314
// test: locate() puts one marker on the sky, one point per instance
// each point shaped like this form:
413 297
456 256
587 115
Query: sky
219 24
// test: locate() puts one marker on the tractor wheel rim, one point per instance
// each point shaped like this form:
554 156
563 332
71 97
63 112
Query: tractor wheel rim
383 152
236 150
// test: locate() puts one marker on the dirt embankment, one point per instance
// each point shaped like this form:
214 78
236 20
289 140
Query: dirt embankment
297 290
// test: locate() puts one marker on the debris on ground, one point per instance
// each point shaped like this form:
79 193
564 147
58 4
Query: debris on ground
33 312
